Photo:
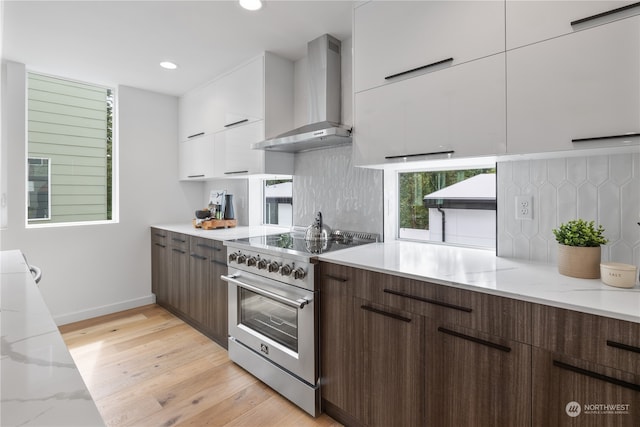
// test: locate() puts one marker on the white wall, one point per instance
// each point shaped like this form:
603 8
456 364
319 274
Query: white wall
89 270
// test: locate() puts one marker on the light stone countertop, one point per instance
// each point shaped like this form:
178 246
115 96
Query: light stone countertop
482 271
40 383
223 233
473 269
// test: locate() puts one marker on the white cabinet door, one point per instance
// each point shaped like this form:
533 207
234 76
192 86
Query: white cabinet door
396 36
191 114
460 109
199 158
583 85
533 21
241 160
239 97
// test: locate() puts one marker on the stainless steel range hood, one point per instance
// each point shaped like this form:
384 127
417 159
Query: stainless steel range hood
324 128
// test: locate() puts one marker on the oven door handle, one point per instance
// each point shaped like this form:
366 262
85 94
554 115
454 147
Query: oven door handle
299 303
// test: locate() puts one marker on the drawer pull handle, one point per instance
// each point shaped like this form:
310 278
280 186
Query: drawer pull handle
195 134
235 172
160 235
475 340
177 239
596 375
428 301
623 346
336 278
195 176
392 76
385 313
161 245
609 12
215 261
434 153
597 138
213 248
178 250
236 123
200 257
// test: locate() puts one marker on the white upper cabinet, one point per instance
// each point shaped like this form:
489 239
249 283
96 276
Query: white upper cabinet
240 160
261 88
191 114
533 21
460 110
259 93
393 37
582 85
200 158
238 97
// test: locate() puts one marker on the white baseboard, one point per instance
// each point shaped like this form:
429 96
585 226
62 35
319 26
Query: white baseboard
102 310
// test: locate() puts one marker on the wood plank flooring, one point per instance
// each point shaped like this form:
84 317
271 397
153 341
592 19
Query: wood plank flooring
145 367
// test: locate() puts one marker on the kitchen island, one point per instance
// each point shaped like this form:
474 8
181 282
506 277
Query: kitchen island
41 384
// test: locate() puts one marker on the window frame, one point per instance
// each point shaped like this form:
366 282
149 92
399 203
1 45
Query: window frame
391 207
115 187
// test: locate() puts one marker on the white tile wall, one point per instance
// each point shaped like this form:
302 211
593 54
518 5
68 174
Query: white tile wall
349 198
602 188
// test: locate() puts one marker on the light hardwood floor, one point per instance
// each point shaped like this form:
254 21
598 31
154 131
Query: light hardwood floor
146 367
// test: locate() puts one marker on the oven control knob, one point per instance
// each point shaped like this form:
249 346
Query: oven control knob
233 257
262 264
251 261
285 270
273 267
299 273
242 258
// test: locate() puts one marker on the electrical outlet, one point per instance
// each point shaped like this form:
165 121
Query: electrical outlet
524 207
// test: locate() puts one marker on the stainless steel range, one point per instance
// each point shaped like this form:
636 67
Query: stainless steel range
273 308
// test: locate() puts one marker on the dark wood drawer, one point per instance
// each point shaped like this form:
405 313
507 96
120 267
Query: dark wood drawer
209 248
499 316
609 342
159 236
573 392
178 241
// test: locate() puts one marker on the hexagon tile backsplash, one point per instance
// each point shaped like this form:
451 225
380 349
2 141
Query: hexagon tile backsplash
603 188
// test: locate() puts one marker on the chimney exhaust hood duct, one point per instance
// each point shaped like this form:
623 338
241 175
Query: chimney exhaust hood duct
324 128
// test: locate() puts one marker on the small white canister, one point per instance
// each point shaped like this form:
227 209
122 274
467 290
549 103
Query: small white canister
618 274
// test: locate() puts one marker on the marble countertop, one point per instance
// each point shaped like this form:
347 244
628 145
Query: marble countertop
223 233
480 270
40 384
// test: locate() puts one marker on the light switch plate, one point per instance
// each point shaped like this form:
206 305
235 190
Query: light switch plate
524 207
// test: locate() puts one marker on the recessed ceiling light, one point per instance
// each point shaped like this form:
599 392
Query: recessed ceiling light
251 4
168 65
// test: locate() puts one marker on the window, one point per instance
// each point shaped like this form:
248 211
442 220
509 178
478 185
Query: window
70 151
38 201
449 206
278 202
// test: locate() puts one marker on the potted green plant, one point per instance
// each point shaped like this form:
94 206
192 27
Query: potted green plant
579 251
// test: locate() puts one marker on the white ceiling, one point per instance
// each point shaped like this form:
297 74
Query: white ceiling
122 42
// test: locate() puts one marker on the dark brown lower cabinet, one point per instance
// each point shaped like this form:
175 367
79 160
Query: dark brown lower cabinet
186 280
573 392
160 262
178 285
475 379
386 366
218 305
372 361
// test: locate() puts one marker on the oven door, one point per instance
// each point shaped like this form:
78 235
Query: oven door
276 321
